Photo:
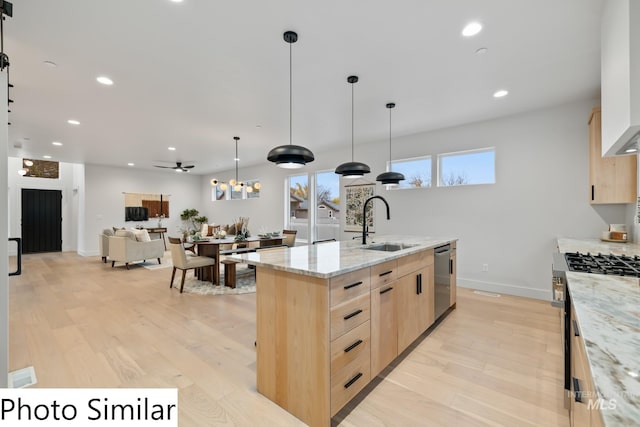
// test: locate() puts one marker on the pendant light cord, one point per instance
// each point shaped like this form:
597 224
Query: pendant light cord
389 138
352 115
290 95
237 160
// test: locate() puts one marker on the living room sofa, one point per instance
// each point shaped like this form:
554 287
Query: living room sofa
125 247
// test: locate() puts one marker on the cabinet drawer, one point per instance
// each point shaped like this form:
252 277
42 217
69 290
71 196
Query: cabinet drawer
349 382
348 315
349 285
349 347
414 262
382 274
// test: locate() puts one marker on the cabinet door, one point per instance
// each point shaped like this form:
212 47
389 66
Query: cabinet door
415 306
384 327
611 179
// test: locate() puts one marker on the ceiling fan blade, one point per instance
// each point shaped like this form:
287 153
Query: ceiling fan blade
165 167
188 167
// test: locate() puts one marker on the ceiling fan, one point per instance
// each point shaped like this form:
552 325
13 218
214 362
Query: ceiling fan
178 167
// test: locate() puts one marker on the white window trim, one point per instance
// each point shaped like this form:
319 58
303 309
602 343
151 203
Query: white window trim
463 152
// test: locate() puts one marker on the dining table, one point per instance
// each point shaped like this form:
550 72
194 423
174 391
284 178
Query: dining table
211 247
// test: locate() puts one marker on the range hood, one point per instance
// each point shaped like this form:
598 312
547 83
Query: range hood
620 73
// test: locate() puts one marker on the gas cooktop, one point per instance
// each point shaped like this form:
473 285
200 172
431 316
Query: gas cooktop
615 265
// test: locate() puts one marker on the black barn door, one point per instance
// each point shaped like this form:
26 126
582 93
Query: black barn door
41 221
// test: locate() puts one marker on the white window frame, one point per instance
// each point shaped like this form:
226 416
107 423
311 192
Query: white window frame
462 153
410 159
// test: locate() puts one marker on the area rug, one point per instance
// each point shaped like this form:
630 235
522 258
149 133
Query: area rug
152 264
245 284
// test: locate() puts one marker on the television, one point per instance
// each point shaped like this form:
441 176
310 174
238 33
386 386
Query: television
136 213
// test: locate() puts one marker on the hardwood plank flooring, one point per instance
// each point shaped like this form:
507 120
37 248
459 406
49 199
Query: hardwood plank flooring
81 323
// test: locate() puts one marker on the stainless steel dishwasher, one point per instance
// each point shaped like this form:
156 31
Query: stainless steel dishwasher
442 285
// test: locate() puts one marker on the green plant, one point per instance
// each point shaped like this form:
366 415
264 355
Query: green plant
190 216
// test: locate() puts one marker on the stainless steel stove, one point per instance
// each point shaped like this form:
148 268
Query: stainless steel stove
615 265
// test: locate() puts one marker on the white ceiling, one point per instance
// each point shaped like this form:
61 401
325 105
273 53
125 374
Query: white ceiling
194 74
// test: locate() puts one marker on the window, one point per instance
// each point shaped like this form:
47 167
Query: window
41 168
467 168
327 220
416 171
299 206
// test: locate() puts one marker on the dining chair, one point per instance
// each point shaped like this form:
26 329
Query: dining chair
184 263
289 237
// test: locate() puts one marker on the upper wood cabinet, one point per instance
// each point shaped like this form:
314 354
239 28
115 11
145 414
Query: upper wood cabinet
611 179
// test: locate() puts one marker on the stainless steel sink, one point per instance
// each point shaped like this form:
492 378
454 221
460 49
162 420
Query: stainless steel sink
388 247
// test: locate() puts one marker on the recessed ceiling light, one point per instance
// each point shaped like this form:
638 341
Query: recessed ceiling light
172 149
177 1
73 122
501 93
633 374
50 64
481 51
471 29
131 164
104 80
56 143
46 156
630 150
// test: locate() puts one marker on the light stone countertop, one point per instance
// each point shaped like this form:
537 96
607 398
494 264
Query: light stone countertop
325 260
608 312
596 245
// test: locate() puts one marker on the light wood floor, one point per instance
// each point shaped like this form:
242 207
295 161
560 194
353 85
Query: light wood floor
81 323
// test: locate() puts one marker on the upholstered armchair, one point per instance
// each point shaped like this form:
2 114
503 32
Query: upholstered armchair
103 243
123 247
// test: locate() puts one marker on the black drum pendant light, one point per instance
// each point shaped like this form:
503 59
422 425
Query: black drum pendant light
390 178
290 156
352 169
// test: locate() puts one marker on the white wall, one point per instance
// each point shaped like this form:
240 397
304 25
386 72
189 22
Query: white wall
4 269
541 193
104 199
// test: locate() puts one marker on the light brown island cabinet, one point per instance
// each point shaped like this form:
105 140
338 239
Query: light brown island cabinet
384 315
321 341
611 179
584 405
415 297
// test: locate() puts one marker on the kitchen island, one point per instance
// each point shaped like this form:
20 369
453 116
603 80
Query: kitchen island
331 316
607 313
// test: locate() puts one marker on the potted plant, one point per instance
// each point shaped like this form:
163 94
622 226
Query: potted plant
193 220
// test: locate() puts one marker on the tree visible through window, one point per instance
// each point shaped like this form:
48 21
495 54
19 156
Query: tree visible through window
467 168
416 171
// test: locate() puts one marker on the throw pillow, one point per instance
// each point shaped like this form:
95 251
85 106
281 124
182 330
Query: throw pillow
125 233
144 236
107 232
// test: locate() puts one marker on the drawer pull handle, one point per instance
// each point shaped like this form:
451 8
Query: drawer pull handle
355 313
353 285
576 331
386 290
353 380
352 346
576 390
385 273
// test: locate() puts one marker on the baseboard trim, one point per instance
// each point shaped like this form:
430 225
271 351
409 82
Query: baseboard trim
503 288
